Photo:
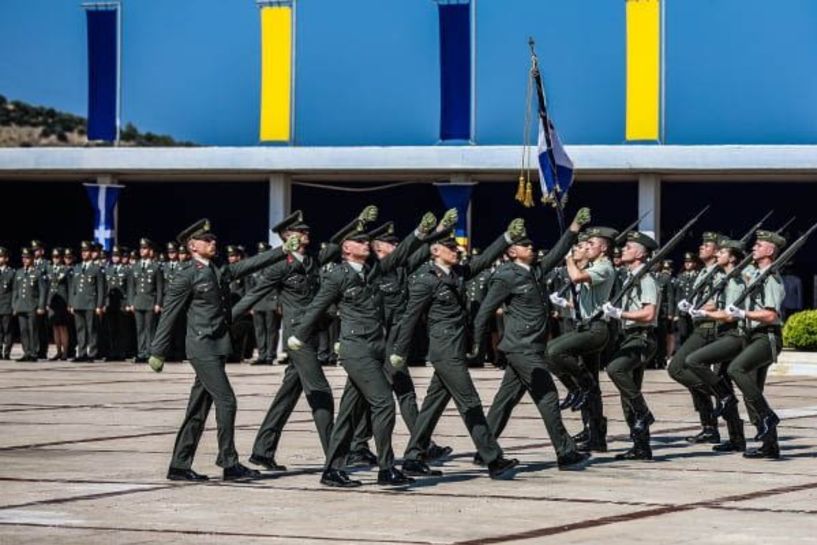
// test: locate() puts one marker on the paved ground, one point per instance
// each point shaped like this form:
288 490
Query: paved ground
84 449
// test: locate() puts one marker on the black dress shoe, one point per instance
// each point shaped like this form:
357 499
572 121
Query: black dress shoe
501 466
768 425
361 458
435 452
478 461
338 478
568 400
267 462
420 469
706 435
393 477
770 451
730 446
239 471
635 453
572 459
178 474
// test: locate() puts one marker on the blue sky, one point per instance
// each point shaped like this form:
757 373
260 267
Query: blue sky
738 71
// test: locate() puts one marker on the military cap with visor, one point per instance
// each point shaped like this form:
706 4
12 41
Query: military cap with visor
293 222
201 230
385 233
645 240
771 236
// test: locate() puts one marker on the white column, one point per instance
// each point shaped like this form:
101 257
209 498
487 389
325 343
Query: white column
649 205
108 179
280 202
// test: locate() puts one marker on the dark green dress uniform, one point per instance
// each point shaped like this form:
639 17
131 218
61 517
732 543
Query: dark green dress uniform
587 341
683 290
117 277
633 348
523 293
440 295
145 293
86 296
6 293
296 279
704 332
666 314
41 320
169 271
265 317
58 280
29 296
201 290
362 352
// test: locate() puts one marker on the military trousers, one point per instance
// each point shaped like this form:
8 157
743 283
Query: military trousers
303 374
720 351
5 335
365 385
86 322
702 335
146 322
28 333
266 323
115 324
451 379
749 368
626 369
528 373
587 343
211 386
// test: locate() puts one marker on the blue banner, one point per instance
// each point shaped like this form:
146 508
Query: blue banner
103 199
455 71
457 196
103 59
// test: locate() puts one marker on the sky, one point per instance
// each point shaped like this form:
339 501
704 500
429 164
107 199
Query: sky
367 71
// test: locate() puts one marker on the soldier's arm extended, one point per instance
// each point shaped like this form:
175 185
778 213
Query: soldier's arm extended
256 262
498 292
178 293
487 258
421 291
329 253
262 286
329 292
401 253
418 258
555 255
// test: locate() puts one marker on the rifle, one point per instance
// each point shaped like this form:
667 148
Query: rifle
643 271
702 285
781 260
622 236
718 288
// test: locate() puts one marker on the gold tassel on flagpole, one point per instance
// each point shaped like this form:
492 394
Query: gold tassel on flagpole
528 202
520 190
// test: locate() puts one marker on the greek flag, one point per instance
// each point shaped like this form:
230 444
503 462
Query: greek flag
103 199
555 167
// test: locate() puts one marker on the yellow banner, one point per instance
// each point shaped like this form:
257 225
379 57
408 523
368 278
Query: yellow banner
276 73
643 69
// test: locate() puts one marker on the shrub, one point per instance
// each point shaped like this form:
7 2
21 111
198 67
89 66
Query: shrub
800 331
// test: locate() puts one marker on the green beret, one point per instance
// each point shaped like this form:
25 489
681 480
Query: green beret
646 241
771 236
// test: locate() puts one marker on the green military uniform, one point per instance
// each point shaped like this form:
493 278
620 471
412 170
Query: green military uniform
7 275
353 287
296 279
87 294
704 332
145 294
202 292
266 317
522 291
117 277
41 320
634 346
587 342
29 297
683 291
169 270
440 294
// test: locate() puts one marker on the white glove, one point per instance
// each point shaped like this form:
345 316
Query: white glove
558 301
735 312
294 343
697 313
397 361
611 312
684 305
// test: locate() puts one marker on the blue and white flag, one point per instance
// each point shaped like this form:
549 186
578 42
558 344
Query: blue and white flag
103 199
555 167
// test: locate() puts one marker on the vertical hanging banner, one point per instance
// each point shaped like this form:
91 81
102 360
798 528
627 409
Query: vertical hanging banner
455 70
643 69
458 196
276 71
103 198
103 71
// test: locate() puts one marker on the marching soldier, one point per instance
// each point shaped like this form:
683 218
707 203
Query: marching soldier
704 332
170 269
86 302
437 290
59 280
636 344
116 283
41 320
519 285
265 317
28 302
7 275
202 292
589 339
145 293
